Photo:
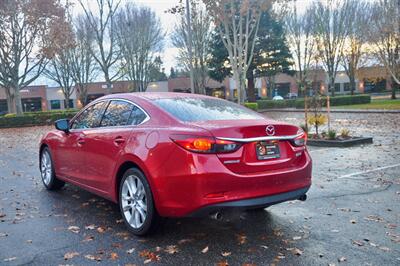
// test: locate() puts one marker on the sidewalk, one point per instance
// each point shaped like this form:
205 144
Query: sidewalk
362 111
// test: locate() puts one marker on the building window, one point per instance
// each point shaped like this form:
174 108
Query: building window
347 86
337 87
55 104
32 104
70 103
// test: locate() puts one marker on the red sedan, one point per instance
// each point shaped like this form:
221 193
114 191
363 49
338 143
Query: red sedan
173 155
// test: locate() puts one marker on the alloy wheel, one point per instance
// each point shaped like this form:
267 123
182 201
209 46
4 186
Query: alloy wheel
46 167
134 201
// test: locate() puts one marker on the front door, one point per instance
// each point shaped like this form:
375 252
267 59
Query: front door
105 144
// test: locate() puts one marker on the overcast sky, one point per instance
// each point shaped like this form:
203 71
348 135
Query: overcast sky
168 22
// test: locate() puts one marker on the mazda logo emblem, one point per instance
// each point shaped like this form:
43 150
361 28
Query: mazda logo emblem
270 130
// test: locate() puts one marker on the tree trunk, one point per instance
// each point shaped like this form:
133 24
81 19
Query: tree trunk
332 85
17 101
108 82
10 101
352 84
251 97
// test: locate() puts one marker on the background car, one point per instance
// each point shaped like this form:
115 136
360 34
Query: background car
173 155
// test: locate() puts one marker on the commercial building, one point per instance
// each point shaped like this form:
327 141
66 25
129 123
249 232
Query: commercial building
369 80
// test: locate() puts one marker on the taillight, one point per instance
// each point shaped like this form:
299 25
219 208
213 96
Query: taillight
203 144
300 140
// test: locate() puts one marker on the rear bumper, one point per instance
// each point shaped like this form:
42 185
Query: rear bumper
200 183
261 202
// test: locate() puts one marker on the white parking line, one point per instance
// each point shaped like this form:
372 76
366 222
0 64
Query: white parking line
370 171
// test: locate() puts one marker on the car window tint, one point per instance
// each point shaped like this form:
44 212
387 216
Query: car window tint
117 114
90 117
205 109
137 116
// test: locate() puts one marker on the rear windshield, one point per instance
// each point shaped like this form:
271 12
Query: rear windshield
204 109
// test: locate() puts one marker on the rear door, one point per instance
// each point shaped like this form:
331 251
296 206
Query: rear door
105 144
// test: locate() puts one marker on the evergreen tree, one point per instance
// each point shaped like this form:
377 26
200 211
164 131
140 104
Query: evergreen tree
271 55
172 73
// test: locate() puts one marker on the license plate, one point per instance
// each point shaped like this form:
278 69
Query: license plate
267 150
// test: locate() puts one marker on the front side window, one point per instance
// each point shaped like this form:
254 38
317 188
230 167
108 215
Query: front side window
90 117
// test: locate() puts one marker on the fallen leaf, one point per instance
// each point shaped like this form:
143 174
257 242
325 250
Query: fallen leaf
10 259
113 256
264 247
74 229
353 221
296 237
130 251
90 227
172 249
226 254
150 256
101 229
384 248
92 257
70 255
222 263
205 250
3 234
342 259
88 238
2 215
29 241
242 239
358 243
297 251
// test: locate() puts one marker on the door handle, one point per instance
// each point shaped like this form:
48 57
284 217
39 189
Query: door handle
119 140
81 141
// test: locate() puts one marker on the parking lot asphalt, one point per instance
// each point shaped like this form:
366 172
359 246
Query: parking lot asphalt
351 216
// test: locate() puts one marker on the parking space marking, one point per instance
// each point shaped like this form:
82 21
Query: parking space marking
370 171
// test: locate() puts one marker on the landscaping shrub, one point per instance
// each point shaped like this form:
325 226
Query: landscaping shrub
252 106
299 103
331 134
35 118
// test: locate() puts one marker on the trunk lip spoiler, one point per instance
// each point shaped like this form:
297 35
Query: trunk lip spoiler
247 140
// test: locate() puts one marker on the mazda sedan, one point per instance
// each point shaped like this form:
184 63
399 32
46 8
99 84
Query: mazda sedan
174 155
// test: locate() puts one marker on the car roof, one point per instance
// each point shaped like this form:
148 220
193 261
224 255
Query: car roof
155 95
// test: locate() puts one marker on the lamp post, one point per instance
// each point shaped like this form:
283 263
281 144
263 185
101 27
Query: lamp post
189 29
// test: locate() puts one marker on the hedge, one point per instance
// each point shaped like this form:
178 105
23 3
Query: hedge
35 118
252 106
299 103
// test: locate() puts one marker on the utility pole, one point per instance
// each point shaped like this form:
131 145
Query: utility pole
189 29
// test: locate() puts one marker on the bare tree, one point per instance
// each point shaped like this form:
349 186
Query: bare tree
385 37
354 47
30 32
60 66
140 38
237 23
330 20
83 64
105 52
201 38
299 29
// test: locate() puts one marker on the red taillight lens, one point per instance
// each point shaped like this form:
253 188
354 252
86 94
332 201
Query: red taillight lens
203 144
300 140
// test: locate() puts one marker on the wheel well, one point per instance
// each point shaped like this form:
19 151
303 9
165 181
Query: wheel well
122 169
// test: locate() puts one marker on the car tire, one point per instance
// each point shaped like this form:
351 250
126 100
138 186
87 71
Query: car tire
47 173
137 204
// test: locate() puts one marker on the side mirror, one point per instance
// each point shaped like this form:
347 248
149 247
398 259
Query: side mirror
63 125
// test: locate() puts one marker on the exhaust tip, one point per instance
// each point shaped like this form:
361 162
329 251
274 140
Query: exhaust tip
216 216
303 197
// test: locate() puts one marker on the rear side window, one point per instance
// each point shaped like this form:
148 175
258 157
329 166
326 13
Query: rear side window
121 113
204 109
90 117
